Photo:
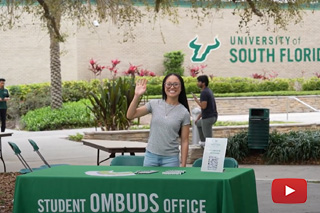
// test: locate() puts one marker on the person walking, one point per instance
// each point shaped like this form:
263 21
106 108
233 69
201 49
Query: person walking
4 97
169 124
209 114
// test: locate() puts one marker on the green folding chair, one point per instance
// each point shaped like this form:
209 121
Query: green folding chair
228 163
127 160
197 163
17 152
36 149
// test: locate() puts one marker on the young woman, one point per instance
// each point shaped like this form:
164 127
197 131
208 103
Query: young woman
170 121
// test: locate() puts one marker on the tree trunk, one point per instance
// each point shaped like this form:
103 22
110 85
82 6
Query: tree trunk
52 13
55 67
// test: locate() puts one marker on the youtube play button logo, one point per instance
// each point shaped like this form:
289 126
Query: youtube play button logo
289 190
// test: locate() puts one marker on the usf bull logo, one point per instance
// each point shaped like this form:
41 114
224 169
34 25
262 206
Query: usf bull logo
196 47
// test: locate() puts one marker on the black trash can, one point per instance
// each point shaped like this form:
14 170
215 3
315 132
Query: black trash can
258 133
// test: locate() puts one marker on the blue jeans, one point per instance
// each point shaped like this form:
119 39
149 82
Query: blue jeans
151 159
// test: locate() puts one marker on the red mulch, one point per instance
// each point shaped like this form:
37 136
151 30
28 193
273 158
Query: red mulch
7 182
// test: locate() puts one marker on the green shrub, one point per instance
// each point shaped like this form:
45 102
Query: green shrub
234 80
157 80
16 90
232 84
74 90
109 106
21 91
173 62
275 152
292 147
273 86
237 146
77 90
154 89
189 79
295 146
33 96
311 84
192 87
20 104
71 90
281 84
220 87
243 87
71 115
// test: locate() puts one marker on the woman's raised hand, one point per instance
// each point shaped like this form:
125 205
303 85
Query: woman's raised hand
141 87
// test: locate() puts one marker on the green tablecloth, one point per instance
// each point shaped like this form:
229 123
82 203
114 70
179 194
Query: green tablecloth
69 189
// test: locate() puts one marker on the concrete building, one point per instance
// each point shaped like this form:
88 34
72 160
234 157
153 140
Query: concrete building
293 53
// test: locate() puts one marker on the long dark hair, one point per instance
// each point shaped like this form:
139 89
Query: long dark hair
182 96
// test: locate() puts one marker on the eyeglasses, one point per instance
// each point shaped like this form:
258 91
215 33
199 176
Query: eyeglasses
169 85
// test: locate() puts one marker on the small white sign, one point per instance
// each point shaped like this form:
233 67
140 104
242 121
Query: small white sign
214 154
110 173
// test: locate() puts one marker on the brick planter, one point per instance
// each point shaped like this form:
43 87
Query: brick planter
195 151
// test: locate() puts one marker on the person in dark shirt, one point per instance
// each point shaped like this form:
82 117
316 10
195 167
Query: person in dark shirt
209 114
4 97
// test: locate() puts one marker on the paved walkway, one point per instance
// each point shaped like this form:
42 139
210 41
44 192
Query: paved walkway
311 117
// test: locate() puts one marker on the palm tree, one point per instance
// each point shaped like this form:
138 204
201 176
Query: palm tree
52 13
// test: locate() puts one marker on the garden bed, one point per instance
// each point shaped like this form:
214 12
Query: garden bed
7 183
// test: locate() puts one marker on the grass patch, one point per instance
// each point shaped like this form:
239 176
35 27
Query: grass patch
77 137
231 123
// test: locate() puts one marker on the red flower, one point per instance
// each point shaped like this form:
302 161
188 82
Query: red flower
152 74
203 66
95 67
92 62
257 76
132 68
143 72
115 62
195 70
273 75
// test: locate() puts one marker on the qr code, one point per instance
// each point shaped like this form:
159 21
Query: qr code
213 163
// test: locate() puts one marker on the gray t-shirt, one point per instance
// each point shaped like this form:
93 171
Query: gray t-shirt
165 124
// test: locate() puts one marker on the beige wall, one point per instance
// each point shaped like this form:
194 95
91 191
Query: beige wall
25 55
25 52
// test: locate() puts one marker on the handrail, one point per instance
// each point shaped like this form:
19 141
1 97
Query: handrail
302 102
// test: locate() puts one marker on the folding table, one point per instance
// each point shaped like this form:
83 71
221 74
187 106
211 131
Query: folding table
114 147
